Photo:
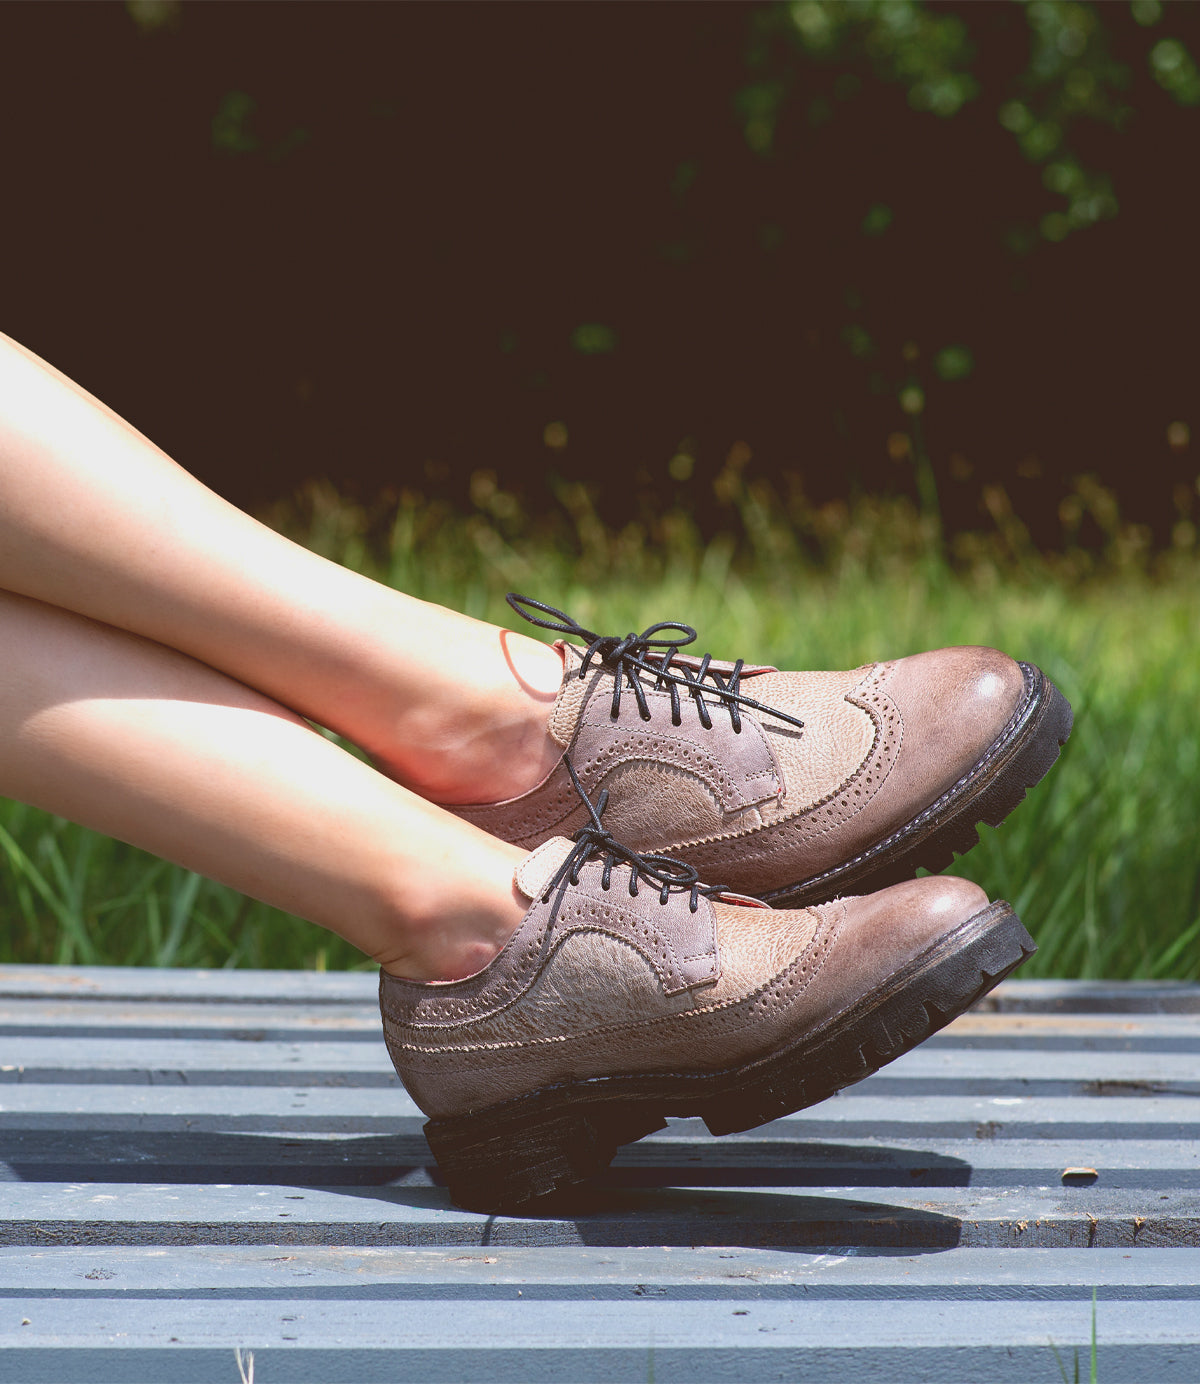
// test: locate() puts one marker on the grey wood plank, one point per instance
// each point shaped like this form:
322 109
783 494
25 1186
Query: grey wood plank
853 1113
895 1217
712 1273
997 1116
300 1021
320 1059
667 1159
52 1058
301 1106
84 983
304 1160
1074 1029
664 1341
307 1293
143 1020
272 1081
1093 996
956 1150
246 986
946 1063
685 1155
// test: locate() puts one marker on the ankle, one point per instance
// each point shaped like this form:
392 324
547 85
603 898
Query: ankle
491 742
455 932
475 760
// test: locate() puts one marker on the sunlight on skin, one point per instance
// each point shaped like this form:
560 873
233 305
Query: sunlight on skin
96 519
145 744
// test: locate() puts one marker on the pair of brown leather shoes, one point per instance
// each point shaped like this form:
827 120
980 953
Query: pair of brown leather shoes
632 991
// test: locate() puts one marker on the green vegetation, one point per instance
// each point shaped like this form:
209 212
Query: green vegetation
1093 1372
1101 860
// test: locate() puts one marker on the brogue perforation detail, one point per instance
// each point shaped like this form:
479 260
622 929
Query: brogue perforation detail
886 770
848 800
974 772
692 752
586 913
734 1013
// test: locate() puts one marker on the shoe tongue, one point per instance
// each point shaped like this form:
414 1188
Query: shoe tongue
536 871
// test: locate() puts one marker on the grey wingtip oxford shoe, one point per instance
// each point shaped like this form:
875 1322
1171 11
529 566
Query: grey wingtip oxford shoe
981 730
631 993
791 786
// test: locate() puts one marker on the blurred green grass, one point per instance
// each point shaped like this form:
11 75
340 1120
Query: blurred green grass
1101 860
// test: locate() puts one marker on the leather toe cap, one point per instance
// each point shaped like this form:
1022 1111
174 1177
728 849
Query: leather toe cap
906 918
880 934
954 703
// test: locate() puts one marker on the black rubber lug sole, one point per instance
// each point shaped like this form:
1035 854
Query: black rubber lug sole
1021 758
513 1157
918 1001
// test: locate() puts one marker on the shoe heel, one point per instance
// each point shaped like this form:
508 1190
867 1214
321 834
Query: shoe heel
498 1161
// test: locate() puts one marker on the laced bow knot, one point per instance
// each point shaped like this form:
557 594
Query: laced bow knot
639 656
593 840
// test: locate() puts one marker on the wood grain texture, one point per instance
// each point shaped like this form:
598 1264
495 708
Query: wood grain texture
192 1162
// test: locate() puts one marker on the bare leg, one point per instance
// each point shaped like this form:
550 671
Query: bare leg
95 519
148 745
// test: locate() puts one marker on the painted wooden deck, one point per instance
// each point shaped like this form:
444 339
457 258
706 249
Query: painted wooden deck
192 1163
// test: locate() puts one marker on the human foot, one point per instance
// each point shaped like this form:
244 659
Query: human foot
631 993
791 786
478 731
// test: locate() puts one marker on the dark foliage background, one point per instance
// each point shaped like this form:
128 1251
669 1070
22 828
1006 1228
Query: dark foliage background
399 244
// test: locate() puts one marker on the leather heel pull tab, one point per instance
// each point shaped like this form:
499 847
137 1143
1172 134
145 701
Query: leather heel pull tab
533 875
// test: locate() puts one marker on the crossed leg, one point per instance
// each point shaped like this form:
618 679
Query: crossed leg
146 744
162 650
96 519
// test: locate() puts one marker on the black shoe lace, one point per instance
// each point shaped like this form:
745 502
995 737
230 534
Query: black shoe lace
628 658
595 840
